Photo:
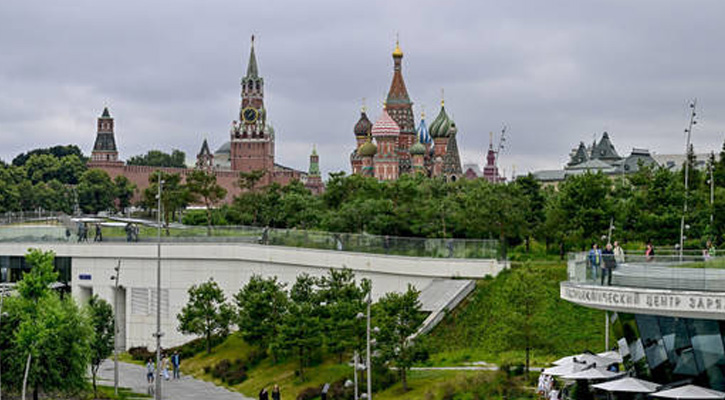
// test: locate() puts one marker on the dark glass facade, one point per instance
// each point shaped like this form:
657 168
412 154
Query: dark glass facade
670 349
13 267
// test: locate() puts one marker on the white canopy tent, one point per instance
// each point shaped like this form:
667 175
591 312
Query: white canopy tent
690 392
593 374
566 369
629 385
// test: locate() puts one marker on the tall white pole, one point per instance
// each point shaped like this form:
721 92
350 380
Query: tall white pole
158 292
687 175
115 332
369 364
2 296
355 361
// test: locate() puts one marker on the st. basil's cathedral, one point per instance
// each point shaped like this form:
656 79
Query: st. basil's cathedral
393 146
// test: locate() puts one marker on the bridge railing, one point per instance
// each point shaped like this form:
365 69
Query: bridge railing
353 242
694 270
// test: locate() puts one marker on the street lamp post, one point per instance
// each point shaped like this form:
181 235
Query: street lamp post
158 291
3 288
115 329
687 174
369 364
354 361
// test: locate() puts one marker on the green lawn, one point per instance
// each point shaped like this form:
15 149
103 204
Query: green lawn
477 331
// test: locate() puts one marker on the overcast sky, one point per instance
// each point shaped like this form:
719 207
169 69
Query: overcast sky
555 72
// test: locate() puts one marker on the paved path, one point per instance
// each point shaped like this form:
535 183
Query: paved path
187 388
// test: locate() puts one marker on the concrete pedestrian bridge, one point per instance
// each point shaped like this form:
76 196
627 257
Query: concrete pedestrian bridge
230 261
688 287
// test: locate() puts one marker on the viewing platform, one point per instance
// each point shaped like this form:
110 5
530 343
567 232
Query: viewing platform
690 286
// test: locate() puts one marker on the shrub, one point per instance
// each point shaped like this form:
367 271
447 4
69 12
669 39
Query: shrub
309 393
196 346
231 373
141 353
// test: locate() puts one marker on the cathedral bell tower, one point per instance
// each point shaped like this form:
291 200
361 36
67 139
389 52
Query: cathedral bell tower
252 141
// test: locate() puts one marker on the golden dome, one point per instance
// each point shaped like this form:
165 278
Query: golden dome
397 52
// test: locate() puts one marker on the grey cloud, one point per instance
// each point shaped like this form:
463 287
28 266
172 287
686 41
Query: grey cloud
555 72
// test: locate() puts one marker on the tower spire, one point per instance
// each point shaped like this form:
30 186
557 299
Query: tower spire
252 70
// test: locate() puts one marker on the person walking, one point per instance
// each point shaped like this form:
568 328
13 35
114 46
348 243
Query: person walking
649 253
165 367
263 394
595 260
275 393
176 364
150 371
608 264
99 234
618 253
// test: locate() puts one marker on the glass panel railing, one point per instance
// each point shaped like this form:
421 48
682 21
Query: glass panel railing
691 271
67 229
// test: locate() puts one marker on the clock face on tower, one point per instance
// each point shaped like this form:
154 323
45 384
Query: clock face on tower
250 114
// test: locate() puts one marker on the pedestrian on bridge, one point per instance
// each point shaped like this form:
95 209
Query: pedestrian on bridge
595 260
608 264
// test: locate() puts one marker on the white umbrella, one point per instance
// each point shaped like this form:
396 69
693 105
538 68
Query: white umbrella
614 355
602 360
593 374
631 385
690 392
565 369
595 359
564 360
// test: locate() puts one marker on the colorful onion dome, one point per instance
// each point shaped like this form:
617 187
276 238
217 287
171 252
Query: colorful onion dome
363 125
367 149
385 126
423 134
418 149
441 126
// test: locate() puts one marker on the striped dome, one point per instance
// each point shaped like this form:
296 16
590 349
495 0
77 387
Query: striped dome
385 126
423 135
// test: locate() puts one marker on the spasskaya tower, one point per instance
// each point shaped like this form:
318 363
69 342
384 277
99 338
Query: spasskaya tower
252 140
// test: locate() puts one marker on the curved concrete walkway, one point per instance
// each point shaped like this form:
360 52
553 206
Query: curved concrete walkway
187 388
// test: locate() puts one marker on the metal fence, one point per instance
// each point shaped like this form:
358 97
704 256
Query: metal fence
62 228
691 271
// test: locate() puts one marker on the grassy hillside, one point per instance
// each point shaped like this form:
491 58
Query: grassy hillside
477 331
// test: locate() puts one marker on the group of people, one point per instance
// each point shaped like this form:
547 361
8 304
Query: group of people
547 388
83 233
603 262
264 394
131 232
175 361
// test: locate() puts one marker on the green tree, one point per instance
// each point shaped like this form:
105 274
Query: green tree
301 332
399 316
157 158
95 191
206 313
204 187
49 332
174 195
58 152
261 306
248 180
124 191
102 340
525 293
343 300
